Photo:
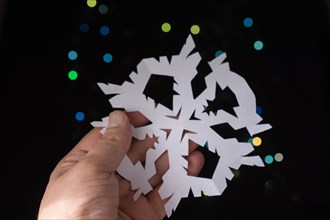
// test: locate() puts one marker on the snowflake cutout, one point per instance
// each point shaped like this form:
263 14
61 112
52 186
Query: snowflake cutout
232 153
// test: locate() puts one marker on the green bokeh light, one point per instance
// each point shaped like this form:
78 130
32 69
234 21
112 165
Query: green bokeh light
103 9
269 185
73 75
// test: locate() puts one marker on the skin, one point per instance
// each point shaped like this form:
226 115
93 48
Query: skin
85 185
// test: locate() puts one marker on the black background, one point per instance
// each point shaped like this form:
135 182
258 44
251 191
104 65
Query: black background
289 77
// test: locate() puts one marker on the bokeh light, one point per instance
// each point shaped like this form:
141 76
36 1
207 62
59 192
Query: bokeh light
236 173
256 141
104 30
258 110
80 116
278 157
107 57
269 159
269 185
72 55
248 22
195 29
91 3
103 9
218 53
73 75
84 27
166 27
258 45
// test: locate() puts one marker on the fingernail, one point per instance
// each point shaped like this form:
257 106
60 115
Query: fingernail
116 118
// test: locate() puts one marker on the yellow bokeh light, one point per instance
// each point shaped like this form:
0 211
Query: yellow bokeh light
166 27
91 3
195 29
256 141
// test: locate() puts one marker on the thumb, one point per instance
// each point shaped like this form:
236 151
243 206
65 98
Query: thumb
111 148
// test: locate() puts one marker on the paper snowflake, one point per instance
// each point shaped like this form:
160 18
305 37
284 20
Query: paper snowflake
232 153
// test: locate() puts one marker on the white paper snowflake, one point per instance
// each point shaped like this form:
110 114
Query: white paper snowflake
232 153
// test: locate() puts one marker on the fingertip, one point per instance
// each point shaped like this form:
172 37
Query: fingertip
118 128
196 162
111 148
116 118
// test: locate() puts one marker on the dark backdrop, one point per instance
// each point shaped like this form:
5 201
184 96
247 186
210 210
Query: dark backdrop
289 77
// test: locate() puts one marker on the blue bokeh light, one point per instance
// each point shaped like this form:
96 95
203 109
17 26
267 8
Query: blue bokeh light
80 116
104 30
248 22
107 57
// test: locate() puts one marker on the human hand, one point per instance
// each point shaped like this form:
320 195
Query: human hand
85 184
